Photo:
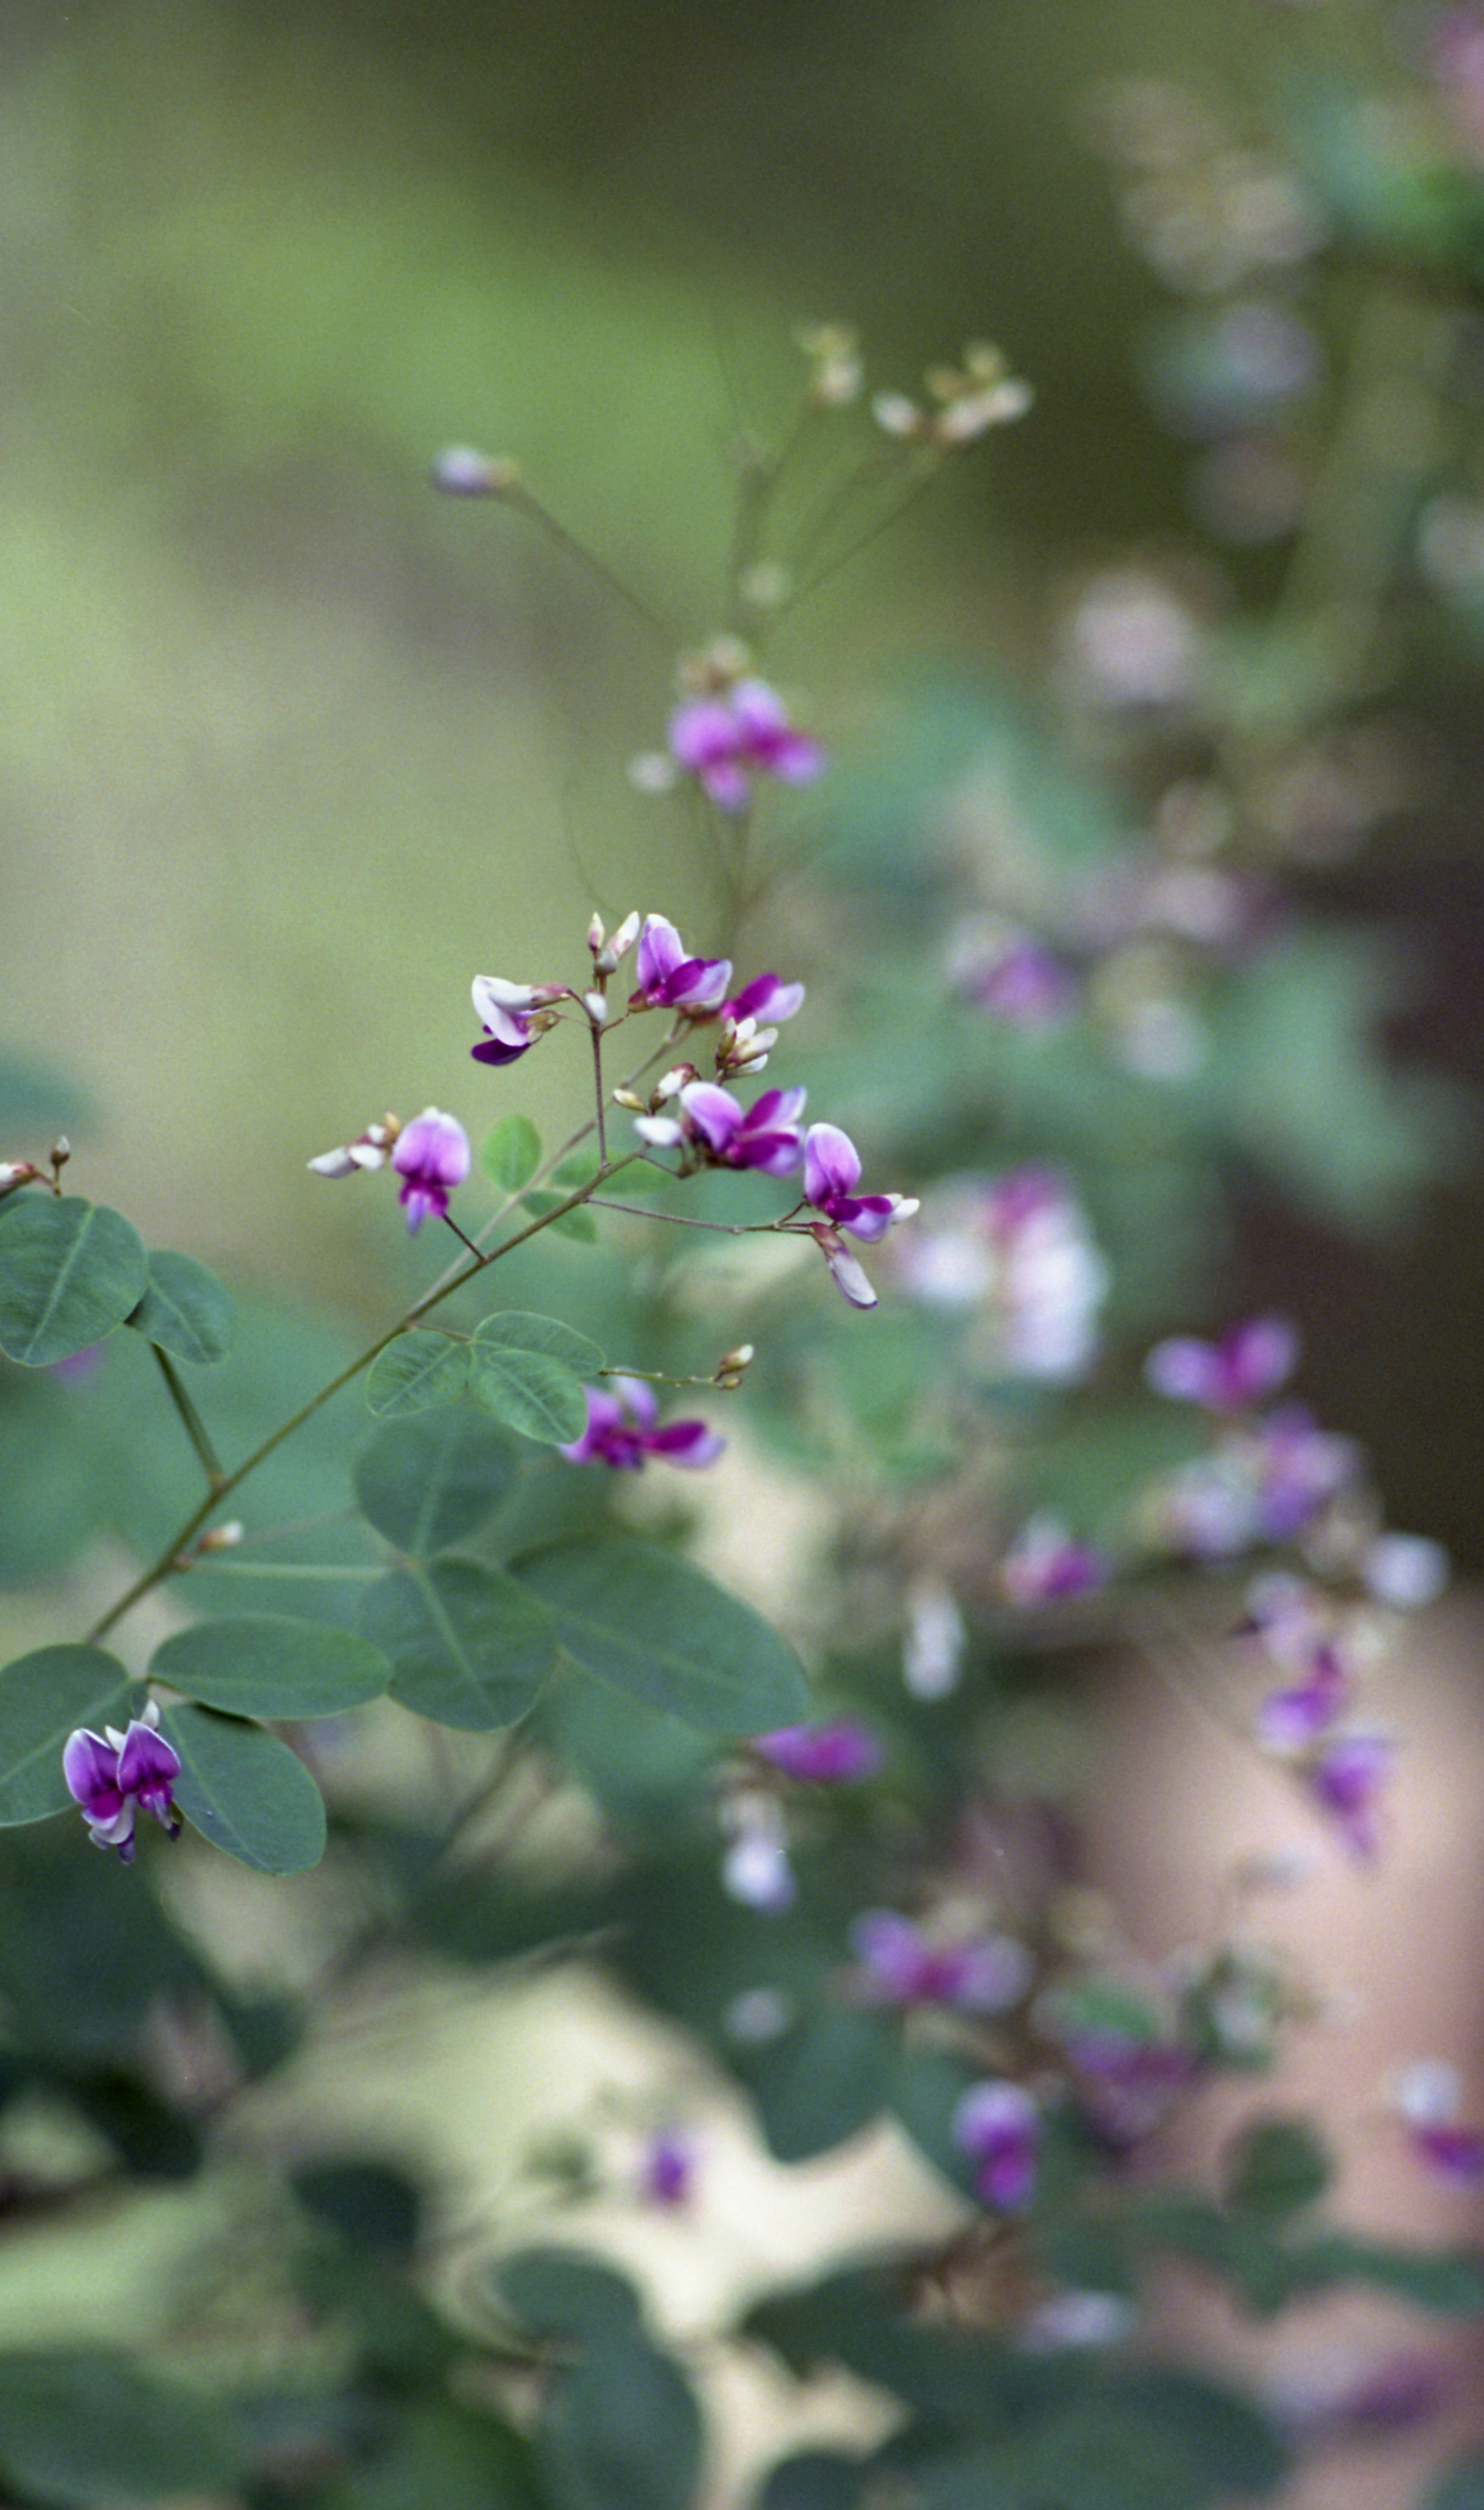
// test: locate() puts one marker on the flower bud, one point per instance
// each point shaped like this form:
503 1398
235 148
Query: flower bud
61 1150
596 1007
460 471
595 935
13 1172
671 1083
222 1537
631 1099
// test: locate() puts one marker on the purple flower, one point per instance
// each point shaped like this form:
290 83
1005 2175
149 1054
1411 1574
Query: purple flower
669 980
506 1010
1019 981
621 1431
1289 1720
1249 1362
833 1754
1345 1780
980 1974
1043 1565
765 999
111 1774
668 2171
1455 2153
1299 1469
764 1135
723 742
999 2125
431 1157
1129 2085
831 1173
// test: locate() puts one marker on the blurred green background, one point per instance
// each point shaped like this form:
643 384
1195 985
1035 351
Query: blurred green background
291 745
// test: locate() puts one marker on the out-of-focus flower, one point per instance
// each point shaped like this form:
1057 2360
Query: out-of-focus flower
1294 1717
621 1431
1017 980
833 350
667 2169
934 1640
999 2126
1405 1570
727 739
754 1865
1129 2085
1021 1251
460 471
1249 1362
1427 2097
1299 1469
836 1754
669 980
981 394
1074 2320
1346 1779
1132 643
1045 1565
431 1157
112 1775
901 1966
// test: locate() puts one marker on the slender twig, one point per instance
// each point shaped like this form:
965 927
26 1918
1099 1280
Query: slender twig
600 1118
191 1421
531 505
680 1219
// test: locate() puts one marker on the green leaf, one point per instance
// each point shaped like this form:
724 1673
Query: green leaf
185 1309
262 1664
662 1631
821 2081
560 2292
621 2432
470 1645
245 1790
51 1474
427 1482
438 2452
511 1155
43 1698
1276 2167
519 1329
529 1392
70 1272
415 1372
87 2429
577 1222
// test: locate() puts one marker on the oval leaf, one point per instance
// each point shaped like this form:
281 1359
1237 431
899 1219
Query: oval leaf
566 2292
427 1482
471 1646
245 1790
185 1309
86 2427
578 1222
521 1329
623 2431
70 1272
262 1664
511 1155
662 1631
43 1699
529 1392
415 1372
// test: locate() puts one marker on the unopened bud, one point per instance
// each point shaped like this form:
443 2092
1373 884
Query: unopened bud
671 1083
222 1537
734 1361
13 1172
631 1099
61 1150
597 936
596 1007
461 471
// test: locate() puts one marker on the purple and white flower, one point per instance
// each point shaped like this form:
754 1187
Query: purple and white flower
1249 1362
1345 1780
621 1431
508 1014
764 1135
112 1775
667 2169
832 1174
726 740
1008 973
1046 1565
431 1157
369 1150
999 2124
901 1966
1407 1570
1294 1717
670 979
839 1753
766 997
1429 2096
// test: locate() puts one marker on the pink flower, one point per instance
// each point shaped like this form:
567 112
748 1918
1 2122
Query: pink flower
1291 1719
1043 1565
999 2125
506 1011
111 1774
901 1966
431 1157
723 742
1345 1780
1249 1363
764 1135
836 1754
831 1173
767 998
621 1431
669 980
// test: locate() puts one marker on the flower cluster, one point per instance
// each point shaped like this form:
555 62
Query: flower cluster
1017 1257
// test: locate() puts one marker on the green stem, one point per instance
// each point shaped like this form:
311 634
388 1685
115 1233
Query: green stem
171 1558
192 1423
535 511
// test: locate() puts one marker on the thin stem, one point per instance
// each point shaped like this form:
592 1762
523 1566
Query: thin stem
171 1558
533 509
288 1567
192 1423
680 1219
882 523
600 1116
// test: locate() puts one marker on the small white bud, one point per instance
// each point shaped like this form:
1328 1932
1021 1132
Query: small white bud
596 1007
661 1132
897 415
595 935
